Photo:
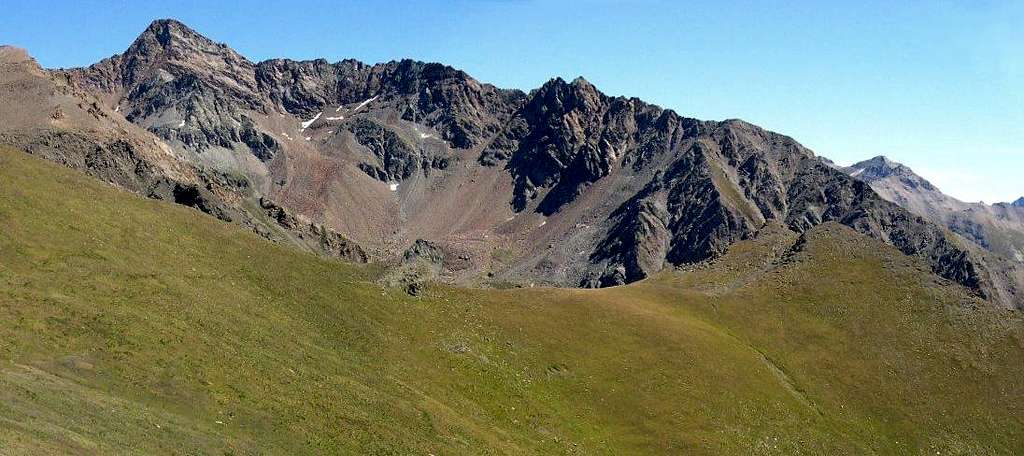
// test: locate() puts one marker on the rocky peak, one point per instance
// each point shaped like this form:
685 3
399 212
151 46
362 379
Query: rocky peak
176 41
561 97
555 142
878 167
17 61
164 32
172 47
881 167
14 55
1018 203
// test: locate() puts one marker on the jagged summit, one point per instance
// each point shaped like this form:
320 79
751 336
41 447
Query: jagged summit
13 54
170 41
1018 203
880 160
878 167
168 31
581 81
881 167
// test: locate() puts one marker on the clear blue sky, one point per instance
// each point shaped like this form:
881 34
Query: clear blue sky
936 85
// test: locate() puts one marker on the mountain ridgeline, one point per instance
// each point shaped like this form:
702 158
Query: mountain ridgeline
997 228
562 186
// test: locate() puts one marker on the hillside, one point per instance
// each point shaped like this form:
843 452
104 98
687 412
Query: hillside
130 325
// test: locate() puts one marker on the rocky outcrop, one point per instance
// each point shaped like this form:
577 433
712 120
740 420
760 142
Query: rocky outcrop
391 158
708 219
722 181
315 236
567 136
424 251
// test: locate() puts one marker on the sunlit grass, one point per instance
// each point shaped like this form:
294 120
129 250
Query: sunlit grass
131 325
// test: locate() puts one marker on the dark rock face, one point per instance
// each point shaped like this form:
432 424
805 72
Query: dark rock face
422 261
423 250
393 159
199 198
704 214
464 111
567 136
721 182
211 89
116 162
315 236
969 228
1018 203
636 246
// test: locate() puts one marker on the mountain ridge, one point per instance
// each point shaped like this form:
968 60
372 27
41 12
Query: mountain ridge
599 190
998 228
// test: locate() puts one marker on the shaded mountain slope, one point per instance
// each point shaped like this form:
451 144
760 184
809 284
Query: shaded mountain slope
150 328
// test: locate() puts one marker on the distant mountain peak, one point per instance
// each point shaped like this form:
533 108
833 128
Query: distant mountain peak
1018 203
168 49
881 167
567 96
163 26
882 160
166 34
882 164
581 81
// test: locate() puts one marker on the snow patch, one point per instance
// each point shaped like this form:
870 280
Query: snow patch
858 172
286 135
309 122
182 124
393 186
364 103
117 108
542 224
422 134
308 138
335 118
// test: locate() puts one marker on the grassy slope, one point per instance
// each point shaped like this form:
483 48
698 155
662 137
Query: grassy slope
130 325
